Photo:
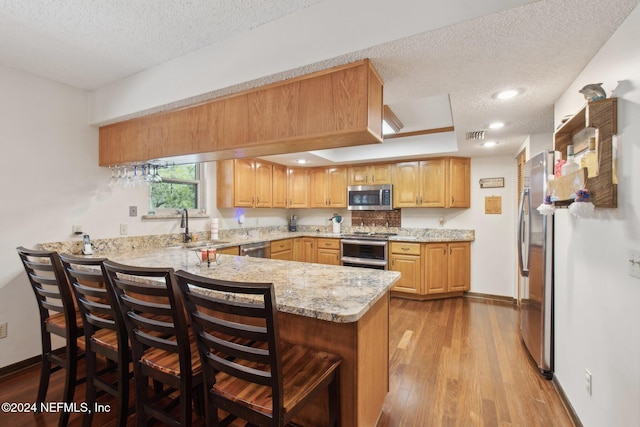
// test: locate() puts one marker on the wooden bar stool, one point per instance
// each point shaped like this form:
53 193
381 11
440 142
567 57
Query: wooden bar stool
104 331
248 371
162 349
58 316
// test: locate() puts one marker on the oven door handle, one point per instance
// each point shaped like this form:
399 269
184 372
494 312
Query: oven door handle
363 261
364 242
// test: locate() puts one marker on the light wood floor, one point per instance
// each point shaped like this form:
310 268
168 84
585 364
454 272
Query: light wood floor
454 362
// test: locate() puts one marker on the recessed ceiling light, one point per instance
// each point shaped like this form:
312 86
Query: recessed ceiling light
507 94
489 144
301 161
496 125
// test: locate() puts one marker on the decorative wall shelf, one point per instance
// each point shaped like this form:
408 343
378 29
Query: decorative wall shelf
603 116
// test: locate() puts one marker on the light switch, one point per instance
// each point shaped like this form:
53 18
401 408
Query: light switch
634 264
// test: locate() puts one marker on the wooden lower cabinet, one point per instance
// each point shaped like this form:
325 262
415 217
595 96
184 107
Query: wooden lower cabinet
231 250
304 249
405 258
328 251
282 249
447 267
431 270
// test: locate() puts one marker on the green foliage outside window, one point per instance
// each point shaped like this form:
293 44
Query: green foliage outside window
178 189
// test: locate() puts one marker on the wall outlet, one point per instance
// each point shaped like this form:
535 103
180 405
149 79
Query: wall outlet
124 229
587 381
133 211
3 329
76 229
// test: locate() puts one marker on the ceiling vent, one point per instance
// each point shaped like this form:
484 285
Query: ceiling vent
477 135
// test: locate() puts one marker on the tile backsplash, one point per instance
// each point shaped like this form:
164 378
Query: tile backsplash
376 218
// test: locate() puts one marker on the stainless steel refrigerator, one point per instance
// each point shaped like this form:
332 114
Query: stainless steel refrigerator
535 256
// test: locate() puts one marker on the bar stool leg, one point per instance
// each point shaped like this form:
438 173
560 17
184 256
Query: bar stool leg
45 371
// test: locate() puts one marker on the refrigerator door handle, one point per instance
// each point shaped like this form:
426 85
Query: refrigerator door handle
524 271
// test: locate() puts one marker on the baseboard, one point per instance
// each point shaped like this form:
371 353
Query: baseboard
27 363
567 404
498 299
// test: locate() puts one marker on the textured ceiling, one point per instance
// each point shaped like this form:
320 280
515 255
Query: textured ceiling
539 48
89 43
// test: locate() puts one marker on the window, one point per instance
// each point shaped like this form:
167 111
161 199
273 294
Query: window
179 189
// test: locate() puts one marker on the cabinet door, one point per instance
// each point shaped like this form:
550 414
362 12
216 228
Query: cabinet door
231 250
432 183
358 175
406 184
380 174
337 187
436 268
308 249
318 181
244 184
298 183
328 256
459 182
459 268
304 249
279 185
263 184
283 255
409 267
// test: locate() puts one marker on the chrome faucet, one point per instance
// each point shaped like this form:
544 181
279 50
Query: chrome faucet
184 223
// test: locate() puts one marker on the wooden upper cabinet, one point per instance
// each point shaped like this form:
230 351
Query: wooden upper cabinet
318 181
329 187
279 186
370 174
406 184
244 183
442 182
358 174
333 108
337 186
433 183
459 183
298 187
263 184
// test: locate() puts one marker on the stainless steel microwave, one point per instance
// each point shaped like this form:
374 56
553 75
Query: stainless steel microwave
370 197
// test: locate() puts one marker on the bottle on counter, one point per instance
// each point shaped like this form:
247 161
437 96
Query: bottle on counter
571 165
590 159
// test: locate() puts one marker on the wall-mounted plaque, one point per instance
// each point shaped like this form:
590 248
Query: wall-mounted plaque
493 205
491 182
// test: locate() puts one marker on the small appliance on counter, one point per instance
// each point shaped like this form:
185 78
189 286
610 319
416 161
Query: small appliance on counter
293 223
336 220
87 246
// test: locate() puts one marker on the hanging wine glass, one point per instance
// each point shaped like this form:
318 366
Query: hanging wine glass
114 179
126 179
156 176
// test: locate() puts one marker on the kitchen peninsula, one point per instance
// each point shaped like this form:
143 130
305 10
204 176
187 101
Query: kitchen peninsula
343 310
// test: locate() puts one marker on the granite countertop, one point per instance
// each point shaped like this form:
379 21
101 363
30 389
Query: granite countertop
333 293
420 236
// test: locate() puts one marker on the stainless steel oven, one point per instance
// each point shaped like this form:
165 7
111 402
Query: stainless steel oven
365 250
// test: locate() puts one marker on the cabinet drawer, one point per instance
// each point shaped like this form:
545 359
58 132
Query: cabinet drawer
281 245
328 243
405 248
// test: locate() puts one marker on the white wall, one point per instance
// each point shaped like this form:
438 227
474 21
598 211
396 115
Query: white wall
597 316
49 181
